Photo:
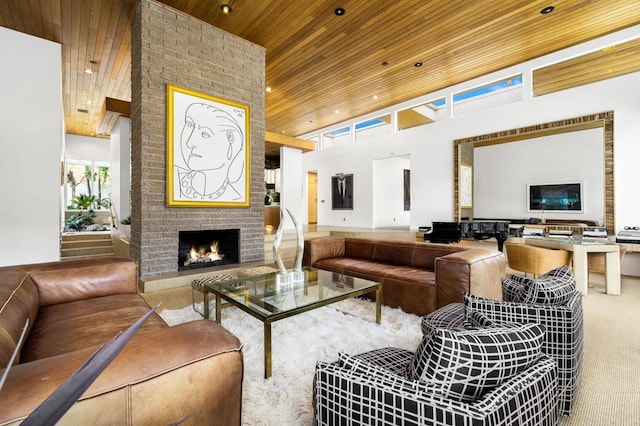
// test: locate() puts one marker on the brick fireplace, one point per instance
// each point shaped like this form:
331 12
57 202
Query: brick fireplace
169 47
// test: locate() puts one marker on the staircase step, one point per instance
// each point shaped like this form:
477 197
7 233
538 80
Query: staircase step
75 236
86 256
86 244
81 245
86 250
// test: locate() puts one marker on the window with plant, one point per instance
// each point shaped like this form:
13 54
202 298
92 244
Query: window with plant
87 185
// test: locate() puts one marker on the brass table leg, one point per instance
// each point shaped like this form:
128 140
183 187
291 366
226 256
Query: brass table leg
378 303
267 350
218 310
205 296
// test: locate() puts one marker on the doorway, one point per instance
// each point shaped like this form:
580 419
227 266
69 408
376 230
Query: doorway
312 198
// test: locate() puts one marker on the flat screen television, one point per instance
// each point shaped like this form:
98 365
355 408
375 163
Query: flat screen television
555 197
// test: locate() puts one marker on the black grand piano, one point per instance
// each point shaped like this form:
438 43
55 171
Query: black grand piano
453 232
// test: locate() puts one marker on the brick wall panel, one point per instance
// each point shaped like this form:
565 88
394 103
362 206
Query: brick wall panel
171 47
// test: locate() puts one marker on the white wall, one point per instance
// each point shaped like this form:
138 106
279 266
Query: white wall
120 158
502 172
431 146
31 141
87 148
388 195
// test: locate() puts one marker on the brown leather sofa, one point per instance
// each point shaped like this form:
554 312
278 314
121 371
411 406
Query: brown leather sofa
190 373
417 277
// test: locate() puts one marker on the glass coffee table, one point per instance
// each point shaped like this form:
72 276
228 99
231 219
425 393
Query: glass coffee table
263 298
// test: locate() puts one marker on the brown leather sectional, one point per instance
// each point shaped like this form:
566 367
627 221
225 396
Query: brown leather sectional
190 373
417 277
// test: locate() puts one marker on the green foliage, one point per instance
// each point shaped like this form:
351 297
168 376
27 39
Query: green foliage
84 201
80 221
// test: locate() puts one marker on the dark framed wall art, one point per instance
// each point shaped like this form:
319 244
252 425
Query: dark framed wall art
342 192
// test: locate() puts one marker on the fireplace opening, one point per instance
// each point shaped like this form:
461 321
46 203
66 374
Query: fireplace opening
203 249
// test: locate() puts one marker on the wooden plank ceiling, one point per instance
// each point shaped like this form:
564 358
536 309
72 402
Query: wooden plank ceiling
324 68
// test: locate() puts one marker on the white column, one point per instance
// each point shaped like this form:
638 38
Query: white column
292 188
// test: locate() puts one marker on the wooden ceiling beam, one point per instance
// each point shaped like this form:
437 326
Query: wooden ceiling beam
111 110
275 140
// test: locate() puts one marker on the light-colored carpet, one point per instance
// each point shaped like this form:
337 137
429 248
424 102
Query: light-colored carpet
609 393
297 343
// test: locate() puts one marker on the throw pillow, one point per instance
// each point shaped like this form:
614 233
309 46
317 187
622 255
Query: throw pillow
512 286
465 364
553 288
476 319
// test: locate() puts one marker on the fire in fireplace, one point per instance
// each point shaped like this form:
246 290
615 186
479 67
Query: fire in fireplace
201 249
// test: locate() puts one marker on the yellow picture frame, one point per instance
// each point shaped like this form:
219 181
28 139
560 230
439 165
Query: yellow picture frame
208 150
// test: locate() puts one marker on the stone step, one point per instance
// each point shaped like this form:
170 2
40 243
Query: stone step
86 256
81 251
78 244
82 245
85 236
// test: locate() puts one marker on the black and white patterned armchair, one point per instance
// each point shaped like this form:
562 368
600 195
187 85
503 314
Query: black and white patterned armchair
550 300
447 381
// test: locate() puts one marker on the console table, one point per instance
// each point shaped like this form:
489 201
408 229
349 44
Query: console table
580 248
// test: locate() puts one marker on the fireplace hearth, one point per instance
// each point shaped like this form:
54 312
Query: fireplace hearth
209 248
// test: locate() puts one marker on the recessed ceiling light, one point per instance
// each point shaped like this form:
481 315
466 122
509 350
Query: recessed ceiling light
384 63
90 69
547 10
375 97
268 89
226 9
337 111
339 11
417 64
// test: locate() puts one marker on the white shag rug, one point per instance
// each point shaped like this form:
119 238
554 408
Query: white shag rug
298 343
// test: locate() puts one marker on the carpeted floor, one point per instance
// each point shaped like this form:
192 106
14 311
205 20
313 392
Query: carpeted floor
298 342
610 389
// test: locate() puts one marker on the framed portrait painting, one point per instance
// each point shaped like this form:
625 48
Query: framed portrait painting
342 192
208 150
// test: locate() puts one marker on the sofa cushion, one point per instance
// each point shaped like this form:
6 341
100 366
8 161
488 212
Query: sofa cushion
361 248
72 326
468 363
393 253
555 287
